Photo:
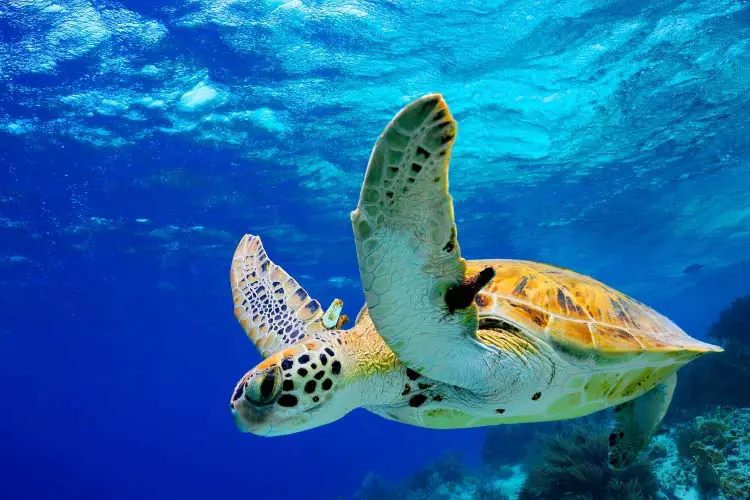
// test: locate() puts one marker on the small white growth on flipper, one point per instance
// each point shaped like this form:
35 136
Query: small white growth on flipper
636 421
331 316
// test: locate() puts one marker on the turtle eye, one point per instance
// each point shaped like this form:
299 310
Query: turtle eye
263 388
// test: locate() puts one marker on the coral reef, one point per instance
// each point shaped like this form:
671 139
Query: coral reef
375 487
438 480
717 449
448 469
446 478
488 490
705 458
719 379
574 465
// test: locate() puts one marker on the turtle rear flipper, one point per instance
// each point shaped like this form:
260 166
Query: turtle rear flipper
410 263
636 421
272 308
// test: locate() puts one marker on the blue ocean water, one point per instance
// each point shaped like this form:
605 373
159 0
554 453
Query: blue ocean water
140 140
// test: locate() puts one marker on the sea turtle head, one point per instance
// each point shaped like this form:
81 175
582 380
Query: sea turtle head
301 387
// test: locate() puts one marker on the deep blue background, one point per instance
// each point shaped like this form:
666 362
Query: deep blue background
117 388
610 137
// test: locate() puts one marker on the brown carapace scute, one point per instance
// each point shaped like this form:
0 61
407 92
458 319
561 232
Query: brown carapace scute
462 295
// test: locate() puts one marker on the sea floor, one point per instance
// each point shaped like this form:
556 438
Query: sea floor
706 457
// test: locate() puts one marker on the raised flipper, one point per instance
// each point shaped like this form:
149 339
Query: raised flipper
636 421
410 263
272 308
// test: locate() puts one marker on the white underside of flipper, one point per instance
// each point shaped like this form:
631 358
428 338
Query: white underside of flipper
407 250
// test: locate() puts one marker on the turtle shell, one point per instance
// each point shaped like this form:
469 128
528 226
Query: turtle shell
575 312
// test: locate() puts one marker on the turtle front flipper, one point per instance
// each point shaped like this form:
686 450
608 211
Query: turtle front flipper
272 308
413 276
636 421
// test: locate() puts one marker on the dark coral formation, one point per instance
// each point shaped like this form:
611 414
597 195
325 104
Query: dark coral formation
448 469
486 490
718 448
732 330
706 457
375 487
436 480
573 466
444 479
720 379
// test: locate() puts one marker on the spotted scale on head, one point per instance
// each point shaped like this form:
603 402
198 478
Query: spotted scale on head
305 380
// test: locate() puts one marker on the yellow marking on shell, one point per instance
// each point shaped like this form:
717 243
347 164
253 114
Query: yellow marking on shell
506 277
525 282
638 381
446 418
530 314
566 404
654 343
623 324
633 383
599 385
612 339
497 420
516 312
574 337
331 316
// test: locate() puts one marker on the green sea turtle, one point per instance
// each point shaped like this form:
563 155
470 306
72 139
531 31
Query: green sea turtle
443 342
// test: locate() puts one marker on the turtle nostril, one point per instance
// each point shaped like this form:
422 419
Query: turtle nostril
238 392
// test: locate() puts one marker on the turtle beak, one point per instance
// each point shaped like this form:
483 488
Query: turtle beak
247 416
250 418
241 425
